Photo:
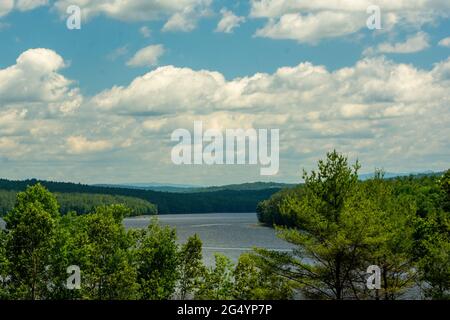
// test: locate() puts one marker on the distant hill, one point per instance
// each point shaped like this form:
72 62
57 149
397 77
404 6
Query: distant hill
194 189
174 198
180 188
152 186
390 175
220 201
83 203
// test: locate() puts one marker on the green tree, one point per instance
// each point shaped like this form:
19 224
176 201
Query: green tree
217 281
393 252
252 282
191 266
100 247
31 235
335 224
445 186
3 267
156 256
433 246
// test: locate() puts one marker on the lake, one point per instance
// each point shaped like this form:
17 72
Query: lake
229 233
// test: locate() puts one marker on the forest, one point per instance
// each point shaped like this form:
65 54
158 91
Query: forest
339 225
243 200
83 203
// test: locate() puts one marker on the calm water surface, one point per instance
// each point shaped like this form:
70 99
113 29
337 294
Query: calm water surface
229 233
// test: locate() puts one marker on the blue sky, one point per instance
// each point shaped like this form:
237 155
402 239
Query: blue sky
325 52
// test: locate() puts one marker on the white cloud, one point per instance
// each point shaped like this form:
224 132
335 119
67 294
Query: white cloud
378 82
376 107
312 21
34 81
118 52
415 43
81 145
185 12
6 6
145 31
310 28
163 91
26 5
179 22
445 42
147 56
382 112
229 21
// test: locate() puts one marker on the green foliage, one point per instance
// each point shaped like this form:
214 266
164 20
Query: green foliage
84 203
3 267
394 253
434 263
445 186
156 254
340 227
275 211
166 202
254 283
217 281
432 249
31 234
191 267
100 247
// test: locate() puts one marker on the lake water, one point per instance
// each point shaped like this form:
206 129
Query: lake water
229 233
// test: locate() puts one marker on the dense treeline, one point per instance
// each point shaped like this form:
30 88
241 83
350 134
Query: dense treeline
196 202
423 190
83 203
44 255
341 226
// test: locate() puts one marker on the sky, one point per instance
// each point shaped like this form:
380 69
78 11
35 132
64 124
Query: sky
99 104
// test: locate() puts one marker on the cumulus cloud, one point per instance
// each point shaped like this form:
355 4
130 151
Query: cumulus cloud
415 43
375 107
378 82
180 21
145 31
383 112
81 145
445 42
181 14
34 82
118 52
37 106
25 5
229 21
6 6
310 28
312 21
147 56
